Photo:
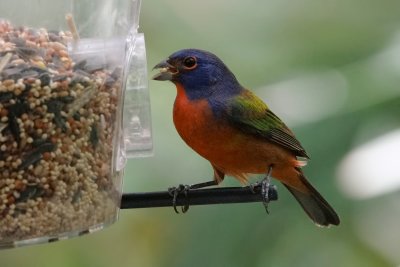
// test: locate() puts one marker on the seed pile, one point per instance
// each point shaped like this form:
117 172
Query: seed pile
57 124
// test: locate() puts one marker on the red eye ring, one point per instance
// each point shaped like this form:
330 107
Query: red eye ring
190 63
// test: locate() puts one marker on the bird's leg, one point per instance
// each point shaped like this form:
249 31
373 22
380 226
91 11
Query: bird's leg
204 184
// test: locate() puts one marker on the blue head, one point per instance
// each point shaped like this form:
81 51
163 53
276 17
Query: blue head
202 74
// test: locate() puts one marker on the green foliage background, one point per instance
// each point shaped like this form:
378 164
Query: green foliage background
264 43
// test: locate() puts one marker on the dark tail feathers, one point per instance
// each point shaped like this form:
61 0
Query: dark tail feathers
316 207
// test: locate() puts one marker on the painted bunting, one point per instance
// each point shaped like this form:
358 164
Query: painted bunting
235 130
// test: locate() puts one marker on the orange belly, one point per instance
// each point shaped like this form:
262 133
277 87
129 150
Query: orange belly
227 148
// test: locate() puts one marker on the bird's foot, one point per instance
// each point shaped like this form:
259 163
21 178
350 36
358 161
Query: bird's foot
265 192
174 192
268 191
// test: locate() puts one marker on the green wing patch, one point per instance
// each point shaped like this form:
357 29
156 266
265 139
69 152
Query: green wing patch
251 115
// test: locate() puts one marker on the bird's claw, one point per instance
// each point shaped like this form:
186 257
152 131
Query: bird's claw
174 192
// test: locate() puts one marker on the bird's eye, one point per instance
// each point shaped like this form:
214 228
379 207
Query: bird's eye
190 62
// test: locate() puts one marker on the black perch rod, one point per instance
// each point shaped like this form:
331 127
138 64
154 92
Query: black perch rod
220 195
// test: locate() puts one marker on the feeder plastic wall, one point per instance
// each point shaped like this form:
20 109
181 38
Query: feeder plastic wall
74 106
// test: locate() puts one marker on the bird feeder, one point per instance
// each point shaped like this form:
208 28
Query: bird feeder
69 70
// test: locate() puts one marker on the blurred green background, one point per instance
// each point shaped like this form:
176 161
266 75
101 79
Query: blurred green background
330 70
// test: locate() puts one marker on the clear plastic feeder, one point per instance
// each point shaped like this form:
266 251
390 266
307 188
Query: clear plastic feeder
73 105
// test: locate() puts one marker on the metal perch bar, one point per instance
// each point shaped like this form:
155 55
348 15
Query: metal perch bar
222 195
